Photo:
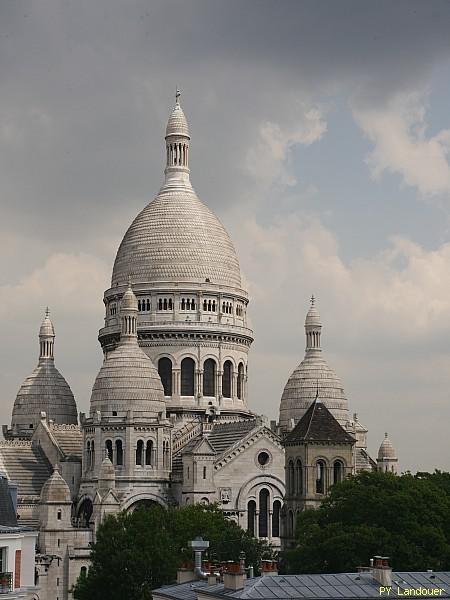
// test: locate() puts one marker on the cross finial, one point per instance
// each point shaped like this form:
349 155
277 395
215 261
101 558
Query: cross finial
385 435
313 300
177 96
129 280
47 311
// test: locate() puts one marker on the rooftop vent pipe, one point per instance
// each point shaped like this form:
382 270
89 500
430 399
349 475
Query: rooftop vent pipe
199 545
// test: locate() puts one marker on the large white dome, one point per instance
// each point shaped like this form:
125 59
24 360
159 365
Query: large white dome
177 238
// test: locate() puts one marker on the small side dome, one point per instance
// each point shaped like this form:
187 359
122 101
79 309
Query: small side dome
177 123
386 450
55 490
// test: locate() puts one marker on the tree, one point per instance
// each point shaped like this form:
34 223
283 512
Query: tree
140 551
404 517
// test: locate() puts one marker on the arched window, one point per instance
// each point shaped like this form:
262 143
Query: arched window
149 453
209 377
204 472
338 471
83 571
109 449
170 303
240 381
298 477
119 452
139 452
209 305
290 478
276 518
187 377
88 455
226 379
223 307
251 514
205 305
59 515
183 304
160 304
214 306
263 513
92 454
320 477
139 305
193 304
148 304
165 372
165 303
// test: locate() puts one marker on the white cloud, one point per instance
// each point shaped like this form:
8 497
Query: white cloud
401 145
268 159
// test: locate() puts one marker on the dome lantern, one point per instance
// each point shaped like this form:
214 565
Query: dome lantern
46 338
177 143
313 326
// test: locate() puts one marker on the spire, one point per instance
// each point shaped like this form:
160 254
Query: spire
313 326
46 338
177 143
128 315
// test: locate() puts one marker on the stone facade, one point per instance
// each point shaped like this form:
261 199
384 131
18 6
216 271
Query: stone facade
169 420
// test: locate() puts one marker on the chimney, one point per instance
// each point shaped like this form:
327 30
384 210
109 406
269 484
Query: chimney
382 572
233 581
269 567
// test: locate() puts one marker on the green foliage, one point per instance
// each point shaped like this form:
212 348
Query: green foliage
405 517
140 551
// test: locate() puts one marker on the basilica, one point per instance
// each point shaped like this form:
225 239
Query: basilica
170 422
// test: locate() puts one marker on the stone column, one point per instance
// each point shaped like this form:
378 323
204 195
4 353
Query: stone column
129 439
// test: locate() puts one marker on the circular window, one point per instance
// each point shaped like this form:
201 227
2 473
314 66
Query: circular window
263 458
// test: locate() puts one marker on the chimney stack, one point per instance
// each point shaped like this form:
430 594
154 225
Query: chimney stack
382 572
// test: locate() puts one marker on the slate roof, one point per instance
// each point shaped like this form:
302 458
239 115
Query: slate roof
363 461
69 439
8 516
26 465
294 587
318 425
225 435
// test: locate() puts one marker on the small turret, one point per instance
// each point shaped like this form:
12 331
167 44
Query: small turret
387 457
55 502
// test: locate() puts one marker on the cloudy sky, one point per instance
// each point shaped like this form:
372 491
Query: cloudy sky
320 137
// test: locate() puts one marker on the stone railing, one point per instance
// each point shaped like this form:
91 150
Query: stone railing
185 434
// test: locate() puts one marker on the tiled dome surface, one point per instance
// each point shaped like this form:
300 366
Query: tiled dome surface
301 389
127 380
44 390
177 238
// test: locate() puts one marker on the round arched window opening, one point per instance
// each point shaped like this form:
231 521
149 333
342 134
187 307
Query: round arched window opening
263 458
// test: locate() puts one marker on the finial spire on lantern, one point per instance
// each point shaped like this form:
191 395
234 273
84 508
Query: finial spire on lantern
177 96
313 300
47 311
